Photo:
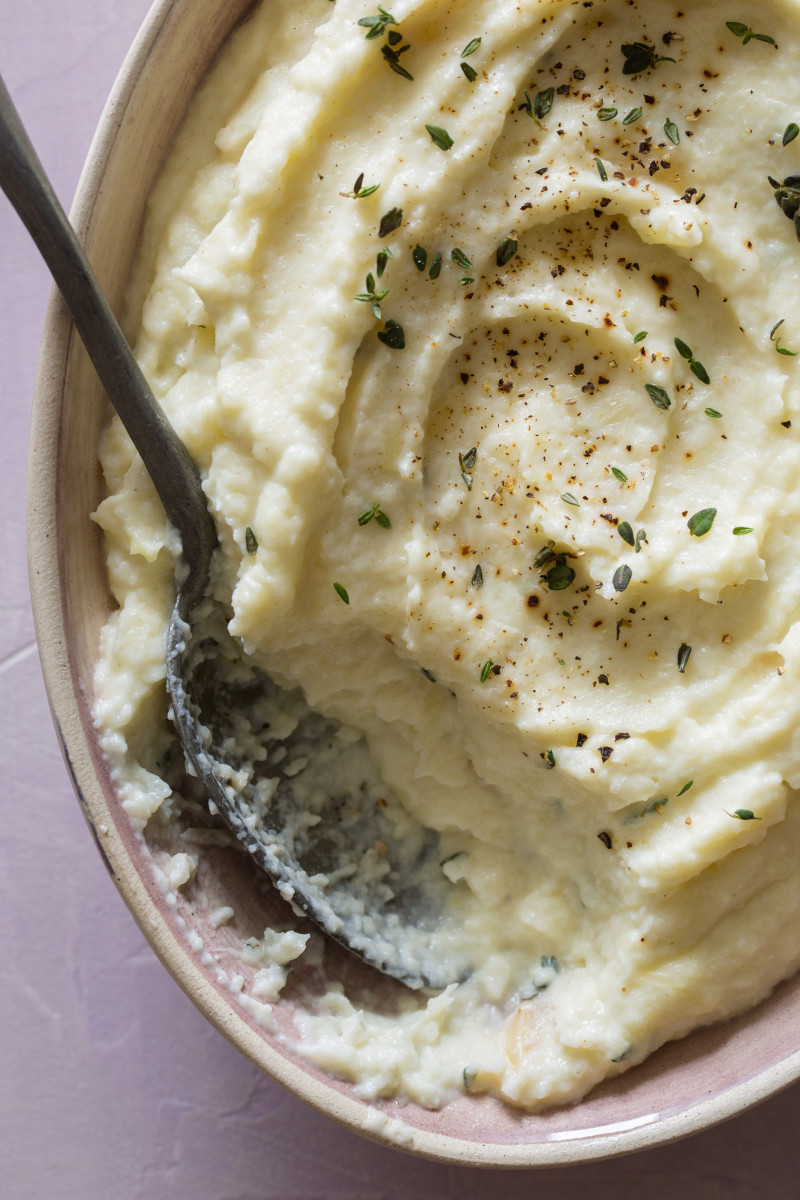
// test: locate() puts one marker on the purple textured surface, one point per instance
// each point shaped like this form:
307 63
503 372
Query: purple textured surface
112 1085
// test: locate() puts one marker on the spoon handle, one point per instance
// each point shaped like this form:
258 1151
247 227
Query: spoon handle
175 476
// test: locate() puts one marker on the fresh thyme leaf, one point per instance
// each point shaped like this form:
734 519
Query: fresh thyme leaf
601 169
544 556
781 349
341 592
701 522
658 395
549 759
712 412
568 498
383 257
467 461
460 259
790 133
506 251
420 257
250 541
436 267
467 279
639 56
392 335
377 25
360 192
559 576
370 296
632 116
440 137
469 71
641 538
742 814
684 653
607 114
740 30
622 577
685 788
639 337
684 350
393 59
486 670
699 370
377 512
672 131
471 47
543 103
621 476
527 106
626 533
787 197
741 530
390 221
477 577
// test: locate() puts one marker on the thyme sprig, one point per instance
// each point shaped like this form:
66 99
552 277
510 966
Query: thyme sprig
375 512
740 30
639 56
695 367
370 296
377 26
781 349
360 192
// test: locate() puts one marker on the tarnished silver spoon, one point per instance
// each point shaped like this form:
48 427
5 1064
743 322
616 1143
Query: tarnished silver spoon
300 793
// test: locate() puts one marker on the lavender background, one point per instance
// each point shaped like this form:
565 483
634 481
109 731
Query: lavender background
111 1083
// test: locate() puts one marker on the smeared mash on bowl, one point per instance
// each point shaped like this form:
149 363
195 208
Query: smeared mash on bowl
469 315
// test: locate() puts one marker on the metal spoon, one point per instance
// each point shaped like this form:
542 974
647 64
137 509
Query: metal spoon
347 855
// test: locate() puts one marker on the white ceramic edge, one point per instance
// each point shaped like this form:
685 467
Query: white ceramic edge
58 340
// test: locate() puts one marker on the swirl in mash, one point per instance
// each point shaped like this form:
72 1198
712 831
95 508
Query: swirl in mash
575 650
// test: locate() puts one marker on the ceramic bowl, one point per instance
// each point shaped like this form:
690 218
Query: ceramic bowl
685 1087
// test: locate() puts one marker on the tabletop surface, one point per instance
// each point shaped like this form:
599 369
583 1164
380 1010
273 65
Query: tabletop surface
112 1084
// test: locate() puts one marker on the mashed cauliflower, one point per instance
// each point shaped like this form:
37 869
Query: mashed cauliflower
479 321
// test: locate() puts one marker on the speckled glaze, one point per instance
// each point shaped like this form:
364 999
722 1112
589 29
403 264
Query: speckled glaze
685 1087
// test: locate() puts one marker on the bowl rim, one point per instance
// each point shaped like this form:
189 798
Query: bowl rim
63 689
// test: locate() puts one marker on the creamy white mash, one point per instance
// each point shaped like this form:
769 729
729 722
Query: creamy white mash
471 326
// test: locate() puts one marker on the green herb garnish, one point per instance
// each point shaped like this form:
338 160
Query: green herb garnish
787 196
543 103
601 169
622 577
632 116
375 511
506 251
436 267
559 576
741 530
486 670
658 395
477 577
469 71
626 533
460 259
466 463
742 814
250 541
341 592
695 367
640 57
781 349
684 654
607 114
471 47
620 475
377 26
639 337
713 412
686 787
740 30
393 58
360 192
390 221
440 137
672 131
641 538
549 759
383 258
790 133
568 498
370 296
420 257
701 522
392 335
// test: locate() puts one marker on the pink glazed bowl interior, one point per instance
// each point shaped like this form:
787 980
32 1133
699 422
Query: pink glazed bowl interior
685 1087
